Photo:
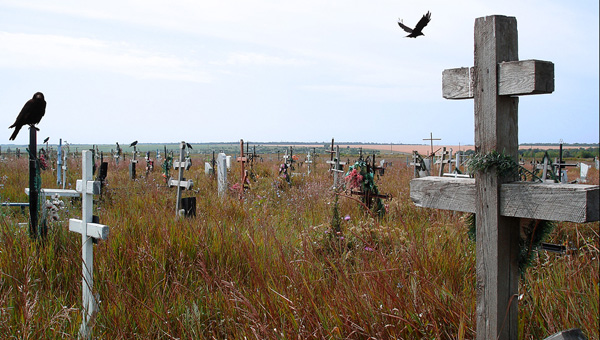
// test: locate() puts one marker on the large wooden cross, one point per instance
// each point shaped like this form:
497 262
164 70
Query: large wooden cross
89 231
494 82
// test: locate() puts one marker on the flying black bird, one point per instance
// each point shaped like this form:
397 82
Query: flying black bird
417 31
31 114
46 140
133 144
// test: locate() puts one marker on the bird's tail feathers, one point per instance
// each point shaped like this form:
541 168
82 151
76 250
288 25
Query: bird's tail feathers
15 133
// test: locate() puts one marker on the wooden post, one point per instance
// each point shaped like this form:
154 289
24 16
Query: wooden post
243 173
442 159
560 161
496 41
88 230
33 195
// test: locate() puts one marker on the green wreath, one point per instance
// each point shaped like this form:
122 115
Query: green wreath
359 176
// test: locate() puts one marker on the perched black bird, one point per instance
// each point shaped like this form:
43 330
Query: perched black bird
189 145
417 31
46 140
133 144
31 114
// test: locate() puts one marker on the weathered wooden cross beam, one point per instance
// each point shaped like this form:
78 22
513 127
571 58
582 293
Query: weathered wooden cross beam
89 231
494 82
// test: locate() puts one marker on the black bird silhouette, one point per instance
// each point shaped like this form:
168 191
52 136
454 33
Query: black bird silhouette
133 144
189 145
31 114
417 31
46 140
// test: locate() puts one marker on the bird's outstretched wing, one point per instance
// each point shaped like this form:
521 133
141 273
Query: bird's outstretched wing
404 27
423 22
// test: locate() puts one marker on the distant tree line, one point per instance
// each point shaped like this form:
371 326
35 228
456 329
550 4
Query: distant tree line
590 152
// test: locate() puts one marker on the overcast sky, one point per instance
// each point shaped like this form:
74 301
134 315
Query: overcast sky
281 70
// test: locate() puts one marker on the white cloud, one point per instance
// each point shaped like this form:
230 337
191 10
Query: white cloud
43 51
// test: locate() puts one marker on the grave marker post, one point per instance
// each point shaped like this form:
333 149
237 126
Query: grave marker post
442 161
337 167
309 160
33 195
494 82
181 147
243 172
180 182
89 231
222 174
132 164
59 163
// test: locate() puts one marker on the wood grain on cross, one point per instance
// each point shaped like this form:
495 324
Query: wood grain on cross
494 82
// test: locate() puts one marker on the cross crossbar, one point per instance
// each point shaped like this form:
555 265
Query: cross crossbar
187 164
515 78
568 202
95 230
187 184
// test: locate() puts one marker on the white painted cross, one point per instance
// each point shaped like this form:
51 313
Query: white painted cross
179 182
309 161
494 82
337 167
88 230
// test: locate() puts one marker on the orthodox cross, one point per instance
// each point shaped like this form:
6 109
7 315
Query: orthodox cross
494 83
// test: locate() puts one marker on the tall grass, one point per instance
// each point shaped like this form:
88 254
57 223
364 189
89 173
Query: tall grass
268 267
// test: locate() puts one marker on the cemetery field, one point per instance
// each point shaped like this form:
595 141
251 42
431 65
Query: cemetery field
271 266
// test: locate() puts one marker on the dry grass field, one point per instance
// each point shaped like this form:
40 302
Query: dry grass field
271 266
